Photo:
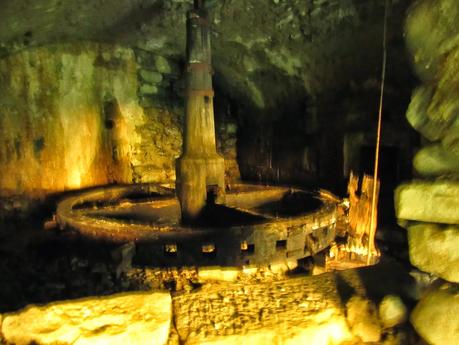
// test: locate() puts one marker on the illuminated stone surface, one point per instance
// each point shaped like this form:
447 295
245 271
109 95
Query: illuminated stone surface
287 313
129 318
303 310
427 201
436 316
218 273
434 249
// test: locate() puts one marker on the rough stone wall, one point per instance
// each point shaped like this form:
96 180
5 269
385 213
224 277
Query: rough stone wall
429 206
159 93
85 114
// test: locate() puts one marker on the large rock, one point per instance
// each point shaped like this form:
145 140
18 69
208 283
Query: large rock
425 201
418 118
434 249
129 318
392 311
436 317
435 160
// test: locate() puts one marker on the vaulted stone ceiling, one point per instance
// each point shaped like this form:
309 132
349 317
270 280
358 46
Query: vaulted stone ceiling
294 76
263 50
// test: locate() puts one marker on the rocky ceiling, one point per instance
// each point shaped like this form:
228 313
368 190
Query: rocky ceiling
263 50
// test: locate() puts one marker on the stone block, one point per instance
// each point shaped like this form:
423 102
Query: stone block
436 316
147 89
435 160
128 318
428 201
151 77
433 249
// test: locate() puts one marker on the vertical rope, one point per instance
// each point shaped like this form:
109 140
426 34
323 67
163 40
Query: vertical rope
373 220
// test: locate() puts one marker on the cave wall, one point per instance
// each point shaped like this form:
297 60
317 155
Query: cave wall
304 79
296 90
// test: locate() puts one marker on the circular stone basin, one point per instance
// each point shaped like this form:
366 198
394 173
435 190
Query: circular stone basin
256 225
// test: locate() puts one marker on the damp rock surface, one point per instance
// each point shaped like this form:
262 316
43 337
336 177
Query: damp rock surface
129 318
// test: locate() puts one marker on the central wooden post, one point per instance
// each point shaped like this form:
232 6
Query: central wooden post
200 170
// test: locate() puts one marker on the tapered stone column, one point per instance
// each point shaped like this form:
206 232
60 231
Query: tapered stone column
200 169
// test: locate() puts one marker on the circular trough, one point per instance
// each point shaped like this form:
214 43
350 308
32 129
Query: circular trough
256 225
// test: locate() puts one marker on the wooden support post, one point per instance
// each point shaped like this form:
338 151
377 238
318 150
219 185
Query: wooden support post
200 169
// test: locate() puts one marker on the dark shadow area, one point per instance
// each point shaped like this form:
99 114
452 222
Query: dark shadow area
387 278
292 204
345 290
215 215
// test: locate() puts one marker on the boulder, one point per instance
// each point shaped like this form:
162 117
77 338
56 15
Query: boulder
436 316
435 160
147 89
127 318
434 249
392 311
428 201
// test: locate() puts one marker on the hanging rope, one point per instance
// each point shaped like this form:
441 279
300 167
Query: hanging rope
373 220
